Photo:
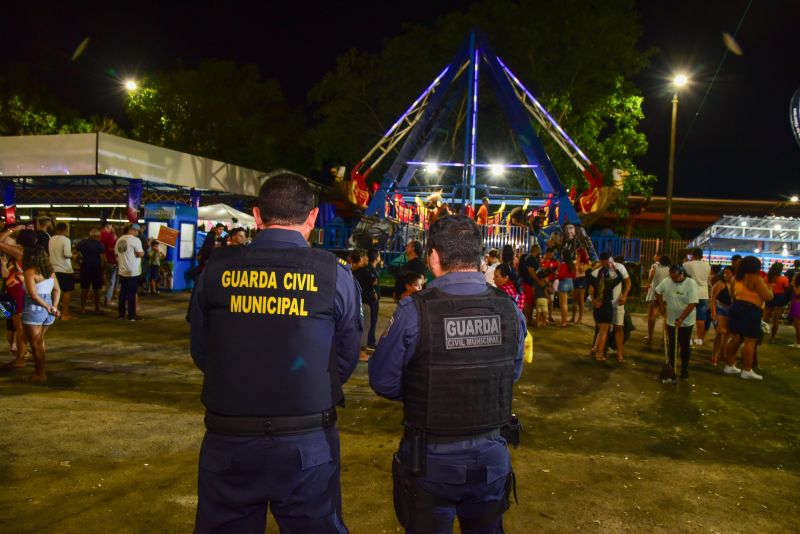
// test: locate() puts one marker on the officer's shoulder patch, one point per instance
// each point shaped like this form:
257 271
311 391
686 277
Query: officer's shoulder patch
341 261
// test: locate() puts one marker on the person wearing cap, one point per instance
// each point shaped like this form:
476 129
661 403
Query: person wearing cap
677 297
129 253
292 321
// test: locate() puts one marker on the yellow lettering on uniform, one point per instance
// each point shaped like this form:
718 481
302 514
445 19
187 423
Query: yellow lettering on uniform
253 278
236 303
263 279
271 309
293 308
272 284
311 285
259 304
303 312
226 278
287 281
247 305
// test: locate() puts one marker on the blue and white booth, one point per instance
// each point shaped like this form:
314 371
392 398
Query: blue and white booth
183 219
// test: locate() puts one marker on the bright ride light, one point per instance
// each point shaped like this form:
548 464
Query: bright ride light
432 168
496 169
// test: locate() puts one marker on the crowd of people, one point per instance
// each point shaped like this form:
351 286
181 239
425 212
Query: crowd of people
688 298
39 274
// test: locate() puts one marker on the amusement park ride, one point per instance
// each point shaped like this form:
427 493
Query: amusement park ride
415 134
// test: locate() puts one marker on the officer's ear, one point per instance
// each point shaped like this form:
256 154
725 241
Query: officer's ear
312 217
434 263
257 216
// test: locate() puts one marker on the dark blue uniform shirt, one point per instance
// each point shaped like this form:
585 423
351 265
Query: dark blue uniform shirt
399 342
347 307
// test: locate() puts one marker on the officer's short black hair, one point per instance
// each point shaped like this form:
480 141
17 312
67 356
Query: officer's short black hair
457 240
355 256
285 199
61 227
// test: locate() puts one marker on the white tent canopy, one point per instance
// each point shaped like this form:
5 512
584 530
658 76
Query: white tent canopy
225 213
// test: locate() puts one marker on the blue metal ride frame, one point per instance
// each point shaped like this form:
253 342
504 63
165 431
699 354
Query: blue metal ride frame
470 125
529 142
516 114
416 137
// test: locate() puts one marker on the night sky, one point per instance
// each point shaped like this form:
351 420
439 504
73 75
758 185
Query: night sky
740 145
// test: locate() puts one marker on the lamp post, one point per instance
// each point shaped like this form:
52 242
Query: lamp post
679 81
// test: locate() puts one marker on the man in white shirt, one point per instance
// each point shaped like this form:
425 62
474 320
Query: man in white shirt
129 253
677 298
619 296
699 270
60 250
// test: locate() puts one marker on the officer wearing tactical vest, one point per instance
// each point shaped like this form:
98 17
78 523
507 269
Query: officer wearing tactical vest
292 322
451 353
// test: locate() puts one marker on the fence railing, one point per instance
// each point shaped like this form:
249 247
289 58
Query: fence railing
628 247
652 246
498 235
638 250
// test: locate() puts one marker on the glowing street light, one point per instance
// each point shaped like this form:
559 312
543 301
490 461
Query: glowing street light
680 81
131 84
794 198
432 168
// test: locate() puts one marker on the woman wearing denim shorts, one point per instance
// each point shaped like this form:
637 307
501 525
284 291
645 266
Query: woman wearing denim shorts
42 294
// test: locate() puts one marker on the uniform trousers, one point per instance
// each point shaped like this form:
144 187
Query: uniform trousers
471 473
296 477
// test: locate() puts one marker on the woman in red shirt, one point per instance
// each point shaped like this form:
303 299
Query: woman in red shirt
779 285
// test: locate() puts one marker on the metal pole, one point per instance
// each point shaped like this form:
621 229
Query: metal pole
670 175
469 125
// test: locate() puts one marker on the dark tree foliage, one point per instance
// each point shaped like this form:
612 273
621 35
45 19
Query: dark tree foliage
219 110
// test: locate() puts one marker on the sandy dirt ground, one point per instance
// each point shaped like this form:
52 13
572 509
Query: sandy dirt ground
110 442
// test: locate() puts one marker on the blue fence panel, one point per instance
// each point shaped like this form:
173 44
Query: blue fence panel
629 248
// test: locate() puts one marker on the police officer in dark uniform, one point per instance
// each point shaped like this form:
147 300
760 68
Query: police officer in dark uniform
451 354
292 325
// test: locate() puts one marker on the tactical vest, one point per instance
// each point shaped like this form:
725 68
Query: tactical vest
460 380
271 330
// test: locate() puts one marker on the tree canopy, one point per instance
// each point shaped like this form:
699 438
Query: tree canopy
576 59
26 108
219 110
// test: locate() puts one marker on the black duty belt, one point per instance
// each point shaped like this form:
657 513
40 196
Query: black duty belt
268 426
431 438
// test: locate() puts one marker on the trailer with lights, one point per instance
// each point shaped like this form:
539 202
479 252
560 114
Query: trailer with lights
770 239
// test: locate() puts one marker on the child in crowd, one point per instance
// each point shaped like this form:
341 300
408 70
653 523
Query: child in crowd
542 295
412 282
502 280
155 255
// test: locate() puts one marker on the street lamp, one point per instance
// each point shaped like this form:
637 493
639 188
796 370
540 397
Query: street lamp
679 81
131 84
